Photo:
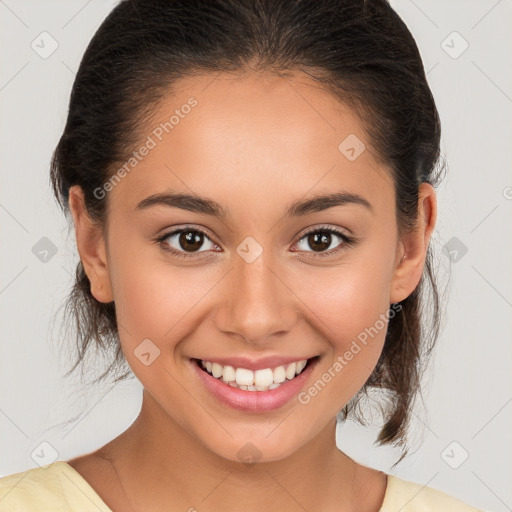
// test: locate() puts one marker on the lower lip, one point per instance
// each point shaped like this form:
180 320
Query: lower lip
254 401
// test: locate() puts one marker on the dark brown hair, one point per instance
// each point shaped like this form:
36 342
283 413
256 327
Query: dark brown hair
360 50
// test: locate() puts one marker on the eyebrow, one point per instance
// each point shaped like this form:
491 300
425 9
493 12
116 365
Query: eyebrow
198 204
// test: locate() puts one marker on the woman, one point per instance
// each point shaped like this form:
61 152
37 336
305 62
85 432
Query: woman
252 188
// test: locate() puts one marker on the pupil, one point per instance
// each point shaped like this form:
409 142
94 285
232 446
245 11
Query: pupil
319 241
191 238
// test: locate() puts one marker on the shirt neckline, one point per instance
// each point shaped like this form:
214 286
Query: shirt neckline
83 484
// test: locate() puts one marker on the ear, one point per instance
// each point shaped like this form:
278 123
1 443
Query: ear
412 250
91 247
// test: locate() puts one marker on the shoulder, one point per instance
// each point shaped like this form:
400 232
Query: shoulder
54 487
413 497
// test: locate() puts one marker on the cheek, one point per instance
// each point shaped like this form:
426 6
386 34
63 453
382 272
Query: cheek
347 299
350 307
163 305
153 299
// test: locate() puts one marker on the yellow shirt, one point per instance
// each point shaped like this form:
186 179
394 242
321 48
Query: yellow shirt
58 487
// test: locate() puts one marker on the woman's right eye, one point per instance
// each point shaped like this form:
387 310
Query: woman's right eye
185 242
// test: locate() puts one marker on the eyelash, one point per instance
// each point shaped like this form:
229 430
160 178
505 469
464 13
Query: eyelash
347 241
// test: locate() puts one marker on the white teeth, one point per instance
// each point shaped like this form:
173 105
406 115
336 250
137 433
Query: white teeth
290 371
300 366
259 380
216 370
279 374
228 373
244 377
263 377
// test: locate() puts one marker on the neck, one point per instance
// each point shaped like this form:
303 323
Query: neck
161 464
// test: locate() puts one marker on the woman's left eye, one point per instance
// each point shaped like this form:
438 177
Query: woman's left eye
322 239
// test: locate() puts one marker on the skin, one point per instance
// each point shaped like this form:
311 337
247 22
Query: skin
255 143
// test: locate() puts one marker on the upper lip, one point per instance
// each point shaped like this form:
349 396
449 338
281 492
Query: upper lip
255 364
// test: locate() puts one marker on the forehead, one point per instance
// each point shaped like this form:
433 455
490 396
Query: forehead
259 134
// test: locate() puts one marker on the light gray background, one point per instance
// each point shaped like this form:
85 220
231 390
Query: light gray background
467 399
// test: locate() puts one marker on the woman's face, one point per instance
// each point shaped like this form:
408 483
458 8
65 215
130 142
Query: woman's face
254 291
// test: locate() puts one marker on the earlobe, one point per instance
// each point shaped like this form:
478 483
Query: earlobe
91 247
413 246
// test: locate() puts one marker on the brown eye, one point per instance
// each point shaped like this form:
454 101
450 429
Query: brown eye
190 240
186 240
324 241
319 241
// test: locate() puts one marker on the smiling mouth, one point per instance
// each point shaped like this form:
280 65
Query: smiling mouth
259 380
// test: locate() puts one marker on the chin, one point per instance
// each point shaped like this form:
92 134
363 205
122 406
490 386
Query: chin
255 449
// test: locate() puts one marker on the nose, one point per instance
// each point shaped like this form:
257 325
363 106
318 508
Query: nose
257 303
